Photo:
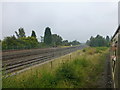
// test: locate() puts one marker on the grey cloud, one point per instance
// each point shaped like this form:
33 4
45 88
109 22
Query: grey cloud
70 20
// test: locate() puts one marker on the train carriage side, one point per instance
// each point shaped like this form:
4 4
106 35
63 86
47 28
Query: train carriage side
115 58
119 58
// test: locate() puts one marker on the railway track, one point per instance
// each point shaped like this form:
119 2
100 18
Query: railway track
18 61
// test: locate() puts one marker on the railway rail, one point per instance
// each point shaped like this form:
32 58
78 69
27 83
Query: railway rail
21 60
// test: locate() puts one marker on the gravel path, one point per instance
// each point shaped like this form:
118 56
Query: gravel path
105 80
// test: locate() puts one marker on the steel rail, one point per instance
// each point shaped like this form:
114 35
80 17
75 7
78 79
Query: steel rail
54 53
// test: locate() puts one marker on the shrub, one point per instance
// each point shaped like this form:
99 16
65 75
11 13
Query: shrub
48 80
84 50
66 72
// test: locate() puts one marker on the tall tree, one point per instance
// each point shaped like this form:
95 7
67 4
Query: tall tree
48 36
107 40
20 33
33 34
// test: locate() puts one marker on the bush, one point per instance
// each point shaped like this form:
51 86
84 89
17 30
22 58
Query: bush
81 62
65 72
84 50
19 43
83 71
48 80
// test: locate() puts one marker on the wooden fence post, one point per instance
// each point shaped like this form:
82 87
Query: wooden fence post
70 56
51 64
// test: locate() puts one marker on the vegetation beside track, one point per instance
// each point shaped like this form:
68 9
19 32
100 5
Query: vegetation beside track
80 69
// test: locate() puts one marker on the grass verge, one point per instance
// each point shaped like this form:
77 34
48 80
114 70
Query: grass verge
81 69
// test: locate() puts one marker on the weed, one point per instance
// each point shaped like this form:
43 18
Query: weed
81 71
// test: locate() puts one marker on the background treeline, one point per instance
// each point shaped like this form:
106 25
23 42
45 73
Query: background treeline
21 41
98 41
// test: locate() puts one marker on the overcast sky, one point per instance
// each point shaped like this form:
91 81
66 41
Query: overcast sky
72 21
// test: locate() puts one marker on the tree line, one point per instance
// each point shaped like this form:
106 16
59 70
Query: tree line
98 41
21 41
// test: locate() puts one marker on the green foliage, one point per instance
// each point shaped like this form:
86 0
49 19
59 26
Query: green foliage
65 43
20 43
48 80
56 40
82 62
23 42
107 41
96 50
65 72
98 41
48 36
101 48
81 72
9 42
33 34
84 50
75 42
43 45
20 33
31 42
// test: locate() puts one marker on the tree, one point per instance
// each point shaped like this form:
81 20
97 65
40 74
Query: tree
9 42
33 34
19 43
48 36
65 43
98 41
91 43
107 40
75 42
20 33
28 42
88 42
56 40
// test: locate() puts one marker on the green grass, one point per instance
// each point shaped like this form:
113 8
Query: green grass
82 70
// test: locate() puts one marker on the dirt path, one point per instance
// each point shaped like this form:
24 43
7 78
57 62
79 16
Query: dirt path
105 80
